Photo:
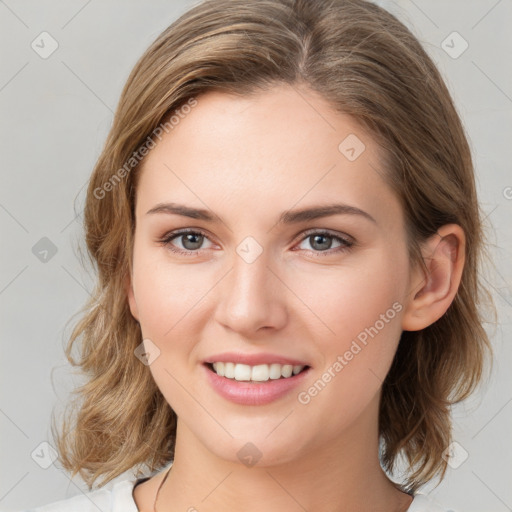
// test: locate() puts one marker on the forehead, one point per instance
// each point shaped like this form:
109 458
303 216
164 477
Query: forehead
284 146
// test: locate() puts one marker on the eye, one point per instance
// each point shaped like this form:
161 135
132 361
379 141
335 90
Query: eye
191 241
322 242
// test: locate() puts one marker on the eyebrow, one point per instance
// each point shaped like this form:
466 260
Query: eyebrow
287 217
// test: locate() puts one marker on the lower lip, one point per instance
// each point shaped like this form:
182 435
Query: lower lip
253 393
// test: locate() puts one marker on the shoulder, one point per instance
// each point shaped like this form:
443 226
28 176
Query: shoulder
117 499
423 503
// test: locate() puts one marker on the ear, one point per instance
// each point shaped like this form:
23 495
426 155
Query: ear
432 293
128 286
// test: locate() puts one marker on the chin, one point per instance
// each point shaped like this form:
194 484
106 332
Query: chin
255 447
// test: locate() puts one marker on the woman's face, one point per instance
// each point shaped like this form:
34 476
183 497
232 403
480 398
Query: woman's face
259 285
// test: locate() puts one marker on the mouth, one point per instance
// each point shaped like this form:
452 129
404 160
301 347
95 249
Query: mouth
255 373
255 379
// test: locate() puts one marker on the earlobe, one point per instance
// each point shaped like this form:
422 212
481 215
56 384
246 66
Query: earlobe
432 292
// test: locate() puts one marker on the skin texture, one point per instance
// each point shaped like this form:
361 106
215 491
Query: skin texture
247 160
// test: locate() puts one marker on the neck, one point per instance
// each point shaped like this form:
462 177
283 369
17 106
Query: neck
340 475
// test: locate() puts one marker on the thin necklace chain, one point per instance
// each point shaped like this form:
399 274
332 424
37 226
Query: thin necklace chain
160 486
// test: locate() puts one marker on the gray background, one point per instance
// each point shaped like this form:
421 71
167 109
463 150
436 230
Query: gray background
56 113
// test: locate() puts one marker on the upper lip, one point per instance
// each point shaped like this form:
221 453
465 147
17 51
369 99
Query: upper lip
253 359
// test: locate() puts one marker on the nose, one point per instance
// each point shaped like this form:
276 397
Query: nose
252 297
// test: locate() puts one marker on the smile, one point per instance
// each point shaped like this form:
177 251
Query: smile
257 373
259 383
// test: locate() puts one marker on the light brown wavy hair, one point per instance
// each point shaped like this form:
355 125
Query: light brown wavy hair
365 63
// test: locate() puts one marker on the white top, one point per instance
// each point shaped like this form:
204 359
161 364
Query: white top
120 499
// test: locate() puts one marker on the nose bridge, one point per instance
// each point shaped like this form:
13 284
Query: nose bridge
250 276
249 299
250 273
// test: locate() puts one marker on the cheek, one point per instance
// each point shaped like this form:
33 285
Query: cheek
168 298
167 295
349 299
360 311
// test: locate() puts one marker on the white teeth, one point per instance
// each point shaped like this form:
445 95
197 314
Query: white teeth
286 370
275 371
229 370
219 368
297 369
242 372
258 373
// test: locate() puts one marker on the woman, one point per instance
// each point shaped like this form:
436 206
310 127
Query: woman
288 239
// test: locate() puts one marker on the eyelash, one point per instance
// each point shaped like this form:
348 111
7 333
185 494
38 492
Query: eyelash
169 237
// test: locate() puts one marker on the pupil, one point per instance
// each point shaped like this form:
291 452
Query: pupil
189 238
325 245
